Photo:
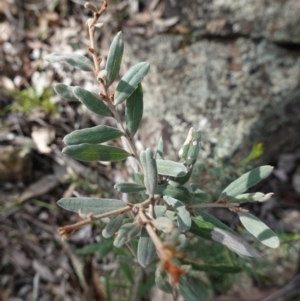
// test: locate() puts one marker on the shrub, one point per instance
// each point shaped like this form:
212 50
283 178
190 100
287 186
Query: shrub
170 210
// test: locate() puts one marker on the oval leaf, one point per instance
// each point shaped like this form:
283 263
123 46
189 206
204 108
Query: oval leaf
134 110
150 171
162 282
183 216
207 230
246 181
76 60
126 187
94 152
91 101
146 249
233 242
114 58
191 147
160 150
171 168
126 233
113 226
177 192
93 135
130 81
220 268
252 197
163 224
186 291
259 230
90 205
201 215
64 91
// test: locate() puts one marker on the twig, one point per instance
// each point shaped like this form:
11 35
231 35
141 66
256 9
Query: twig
66 230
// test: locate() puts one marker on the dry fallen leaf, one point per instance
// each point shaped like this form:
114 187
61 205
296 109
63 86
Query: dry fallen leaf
42 137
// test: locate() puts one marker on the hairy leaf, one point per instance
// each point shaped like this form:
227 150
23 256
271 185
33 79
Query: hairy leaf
76 60
201 215
160 150
246 181
114 58
90 205
163 224
150 171
252 197
93 135
233 242
126 187
134 110
126 233
259 230
91 101
177 192
186 291
171 168
64 91
113 226
95 152
191 147
183 216
220 268
146 249
162 282
228 238
130 81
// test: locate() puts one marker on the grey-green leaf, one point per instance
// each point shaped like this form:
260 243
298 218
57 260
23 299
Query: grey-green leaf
228 238
150 171
183 216
186 291
171 168
146 249
91 101
246 181
234 243
126 233
95 152
161 281
114 58
113 226
134 110
130 81
94 135
76 60
259 230
177 192
163 224
90 205
220 268
126 187
64 91
191 147
160 150
252 197
201 215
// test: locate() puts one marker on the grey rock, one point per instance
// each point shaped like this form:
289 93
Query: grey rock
245 90
237 72
278 21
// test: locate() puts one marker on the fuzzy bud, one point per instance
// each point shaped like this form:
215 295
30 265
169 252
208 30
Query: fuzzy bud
102 76
90 6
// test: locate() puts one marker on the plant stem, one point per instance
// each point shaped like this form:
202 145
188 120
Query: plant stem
70 228
121 127
93 49
214 205
156 241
